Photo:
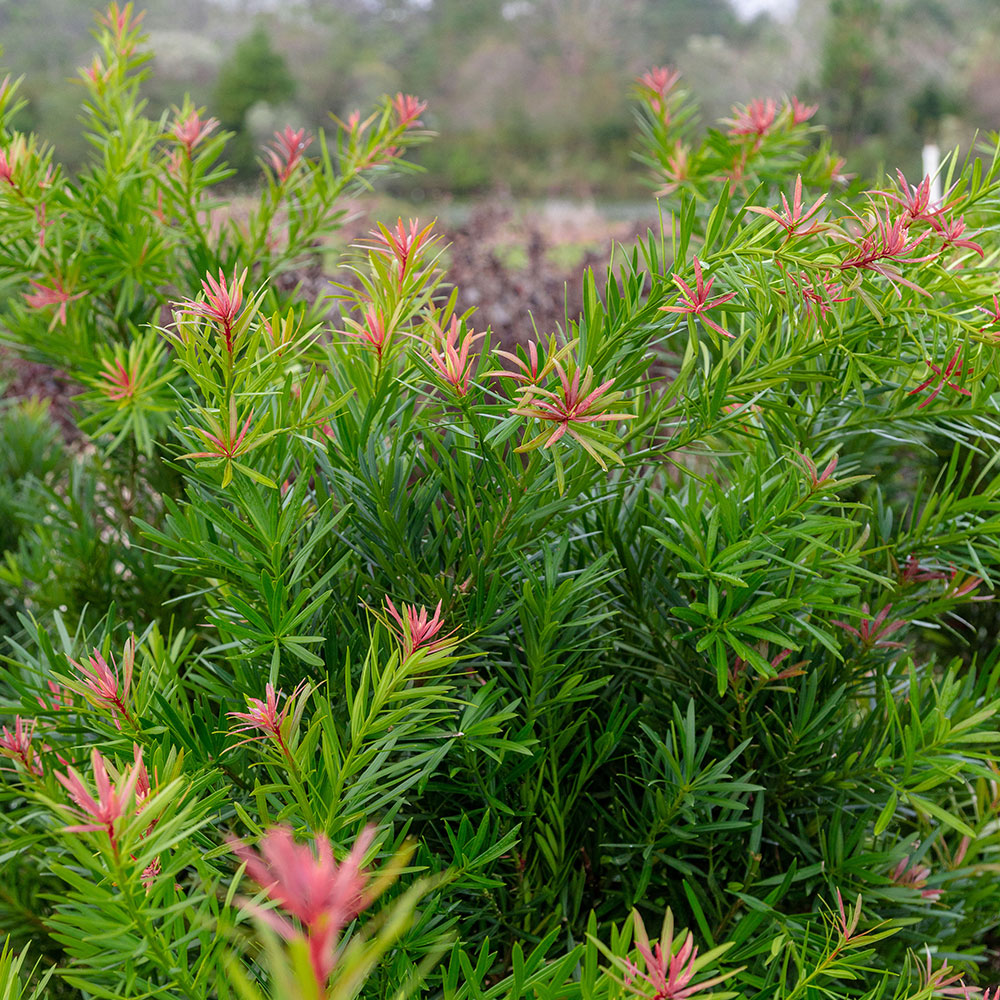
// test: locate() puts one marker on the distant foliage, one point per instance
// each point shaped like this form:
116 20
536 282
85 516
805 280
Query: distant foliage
360 658
254 74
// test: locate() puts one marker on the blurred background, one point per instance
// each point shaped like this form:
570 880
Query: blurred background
531 176
531 97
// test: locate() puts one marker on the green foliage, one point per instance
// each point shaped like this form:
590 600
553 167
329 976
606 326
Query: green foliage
356 657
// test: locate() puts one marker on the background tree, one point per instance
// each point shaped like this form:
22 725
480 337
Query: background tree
255 74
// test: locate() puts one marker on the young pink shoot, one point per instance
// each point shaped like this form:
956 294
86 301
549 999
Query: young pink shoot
451 356
286 151
847 919
222 305
914 876
697 302
798 112
873 632
7 168
570 408
952 233
408 110
945 982
654 85
793 217
953 369
17 745
754 119
119 382
313 889
821 294
56 295
59 697
104 688
531 373
913 572
659 80
414 630
737 672
994 319
404 244
914 199
264 716
960 585
963 847
226 445
112 802
192 131
883 240
670 965
677 168
373 332
119 21
817 480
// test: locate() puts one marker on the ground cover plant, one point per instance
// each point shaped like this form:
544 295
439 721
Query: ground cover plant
355 655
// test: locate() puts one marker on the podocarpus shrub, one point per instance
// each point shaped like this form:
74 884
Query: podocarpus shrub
415 666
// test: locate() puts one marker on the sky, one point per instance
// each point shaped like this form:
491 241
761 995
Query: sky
750 8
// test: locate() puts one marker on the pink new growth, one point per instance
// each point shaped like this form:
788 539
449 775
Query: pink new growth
847 924
7 168
573 403
660 79
414 630
118 20
874 631
952 233
821 294
755 119
793 217
913 572
954 369
914 877
41 217
265 716
697 301
408 109
668 972
940 981
799 113
817 480
59 698
190 132
373 331
107 690
96 73
223 305
677 168
883 240
45 296
530 372
286 151
403 244
111 802
228 443
321 895
658 82
915 199
120 381
142 785
16 745
960 585
994 318
452 360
